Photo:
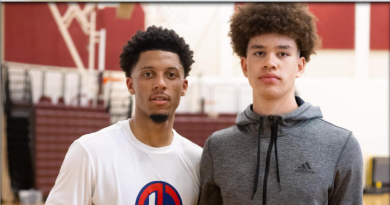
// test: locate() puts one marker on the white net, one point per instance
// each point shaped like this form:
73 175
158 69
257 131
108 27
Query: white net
167 15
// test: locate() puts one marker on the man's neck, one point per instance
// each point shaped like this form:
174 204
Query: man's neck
152 133
277 106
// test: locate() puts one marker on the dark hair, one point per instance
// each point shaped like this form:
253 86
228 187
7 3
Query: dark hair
155 38
291 19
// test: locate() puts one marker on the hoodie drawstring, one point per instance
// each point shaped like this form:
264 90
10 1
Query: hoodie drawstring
276 153
258 159
274 136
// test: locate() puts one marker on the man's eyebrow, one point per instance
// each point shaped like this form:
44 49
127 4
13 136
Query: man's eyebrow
284 47
146 67
257 47
173 68
151 67
279 47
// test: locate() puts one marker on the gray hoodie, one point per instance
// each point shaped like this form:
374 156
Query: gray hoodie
296 158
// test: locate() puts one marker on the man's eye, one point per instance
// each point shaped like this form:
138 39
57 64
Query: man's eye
171 75
283 54
147 74
259 53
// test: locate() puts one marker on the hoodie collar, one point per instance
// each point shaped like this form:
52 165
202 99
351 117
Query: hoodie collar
287 122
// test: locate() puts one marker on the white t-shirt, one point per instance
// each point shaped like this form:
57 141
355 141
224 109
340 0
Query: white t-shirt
112 167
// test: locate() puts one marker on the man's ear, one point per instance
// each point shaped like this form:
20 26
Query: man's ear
129 83
301 67
185 87
244 66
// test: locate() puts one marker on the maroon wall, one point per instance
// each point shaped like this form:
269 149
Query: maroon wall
119 31
32 36
379 31
336 24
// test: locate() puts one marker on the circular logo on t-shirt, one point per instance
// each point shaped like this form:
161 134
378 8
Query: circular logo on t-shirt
158 193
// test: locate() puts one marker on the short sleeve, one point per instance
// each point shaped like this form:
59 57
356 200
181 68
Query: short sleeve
75 182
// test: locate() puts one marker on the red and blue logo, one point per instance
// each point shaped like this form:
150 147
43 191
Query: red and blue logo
158 193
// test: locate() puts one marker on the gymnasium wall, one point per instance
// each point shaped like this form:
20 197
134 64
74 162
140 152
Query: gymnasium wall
32 35
350 95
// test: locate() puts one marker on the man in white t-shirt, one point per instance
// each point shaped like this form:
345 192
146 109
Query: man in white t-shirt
142 160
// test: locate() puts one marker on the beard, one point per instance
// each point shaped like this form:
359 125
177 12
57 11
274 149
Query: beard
159 118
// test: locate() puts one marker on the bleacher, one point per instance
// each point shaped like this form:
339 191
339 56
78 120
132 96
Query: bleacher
57 126
198 127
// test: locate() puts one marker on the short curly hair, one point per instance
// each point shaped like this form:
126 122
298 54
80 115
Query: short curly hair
291 19
155 38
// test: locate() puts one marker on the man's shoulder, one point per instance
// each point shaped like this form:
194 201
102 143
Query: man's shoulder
333 132
227 137
110 135
226 133
189 148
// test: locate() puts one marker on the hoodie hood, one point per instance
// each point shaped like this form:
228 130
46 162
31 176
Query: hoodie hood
287 122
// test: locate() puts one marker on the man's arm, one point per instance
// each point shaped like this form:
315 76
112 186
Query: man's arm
348 175
210 193
75 182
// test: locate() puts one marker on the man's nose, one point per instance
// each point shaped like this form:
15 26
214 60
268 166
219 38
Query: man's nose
160 83
270 61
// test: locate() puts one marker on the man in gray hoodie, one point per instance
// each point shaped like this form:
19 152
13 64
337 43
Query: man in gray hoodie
280 151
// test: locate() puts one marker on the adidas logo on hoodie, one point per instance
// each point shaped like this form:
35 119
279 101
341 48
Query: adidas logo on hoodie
305 168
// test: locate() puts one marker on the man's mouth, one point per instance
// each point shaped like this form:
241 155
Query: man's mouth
159 99
269 78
